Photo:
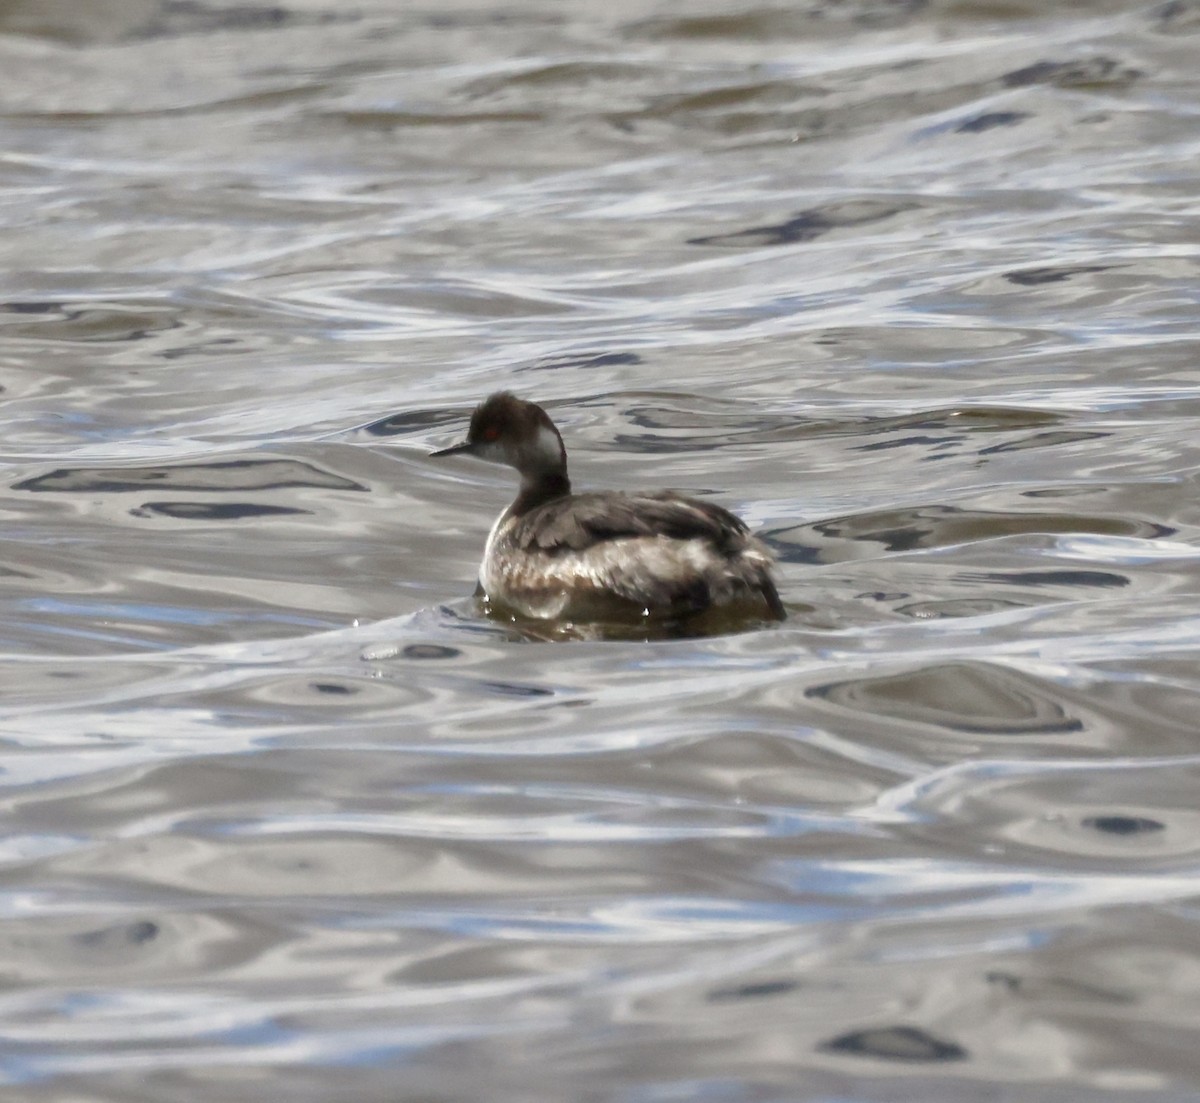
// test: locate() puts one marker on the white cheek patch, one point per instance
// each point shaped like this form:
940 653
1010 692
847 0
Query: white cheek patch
491 451
547 447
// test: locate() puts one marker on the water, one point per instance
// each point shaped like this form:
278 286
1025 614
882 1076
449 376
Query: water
912 286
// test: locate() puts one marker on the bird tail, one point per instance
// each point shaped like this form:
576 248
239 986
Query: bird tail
771 597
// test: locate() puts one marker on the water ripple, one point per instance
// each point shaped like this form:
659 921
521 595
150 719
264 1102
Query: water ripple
911 287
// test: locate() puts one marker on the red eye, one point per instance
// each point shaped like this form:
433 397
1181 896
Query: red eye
491 433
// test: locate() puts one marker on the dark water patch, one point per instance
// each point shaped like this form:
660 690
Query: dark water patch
1045 440
964 697
183 17
1035 277
770 24
634 627
557 77
790 549
586 360
754 991
1059 492
895 1043
1007 980
808 225
274 474
986 419
294 697
215 346
214 511
1109 816
16 572
91 24
1176 17
1123 825
912 441
86 323
516 689
936 526
41 307
389 120
1078 73
430 651
136 933
333 689
735 101
990 120
481 18
1100 579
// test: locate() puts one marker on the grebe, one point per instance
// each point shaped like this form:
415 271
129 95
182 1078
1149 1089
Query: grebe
556 554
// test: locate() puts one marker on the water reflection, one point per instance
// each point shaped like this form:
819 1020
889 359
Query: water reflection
1035 277
808 225
909 286
272 474
896 1043
964 697
213 511
904 530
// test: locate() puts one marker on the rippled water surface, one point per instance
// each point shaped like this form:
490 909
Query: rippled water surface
911 285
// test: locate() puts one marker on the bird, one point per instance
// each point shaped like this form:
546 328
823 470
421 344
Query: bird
556 554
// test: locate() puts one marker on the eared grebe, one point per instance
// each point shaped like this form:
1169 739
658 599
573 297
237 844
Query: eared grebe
557 554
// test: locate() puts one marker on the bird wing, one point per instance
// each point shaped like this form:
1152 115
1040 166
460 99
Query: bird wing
584 520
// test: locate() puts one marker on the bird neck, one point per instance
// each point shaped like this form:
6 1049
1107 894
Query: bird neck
541 486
